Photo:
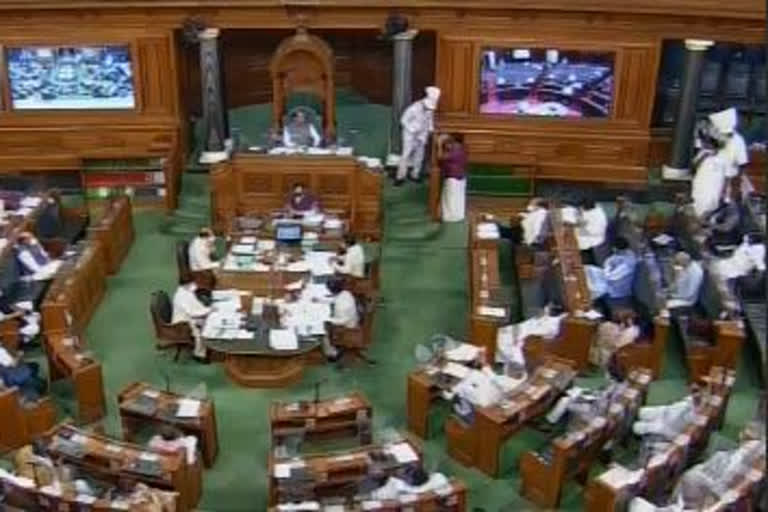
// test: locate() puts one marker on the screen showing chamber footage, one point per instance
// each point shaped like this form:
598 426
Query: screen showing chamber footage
71 77
546 82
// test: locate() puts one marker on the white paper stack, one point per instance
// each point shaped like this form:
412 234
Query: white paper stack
283 339
403 453
455 370
463 353
320 263
344 151
188 408
487 231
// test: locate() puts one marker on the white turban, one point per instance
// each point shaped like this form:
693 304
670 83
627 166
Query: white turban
725 120
433 95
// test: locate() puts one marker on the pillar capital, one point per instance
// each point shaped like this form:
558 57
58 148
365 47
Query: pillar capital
408 35
209 33
698 45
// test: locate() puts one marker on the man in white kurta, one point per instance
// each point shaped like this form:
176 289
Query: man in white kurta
533 221
735 148
188 309
200 250
417 121
511 338
592 227
344 314
352 262
708 184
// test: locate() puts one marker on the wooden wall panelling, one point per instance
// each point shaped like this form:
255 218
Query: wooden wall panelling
455 72
155 61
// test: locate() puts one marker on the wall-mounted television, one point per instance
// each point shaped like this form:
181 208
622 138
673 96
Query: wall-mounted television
71 77
546 82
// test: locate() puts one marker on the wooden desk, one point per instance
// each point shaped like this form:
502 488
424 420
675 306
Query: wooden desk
743 490
260 183
23 422
478 444
115 232
67 358
15 225
451 499
110 460
29 497
572 454
661 470
345 416
76 290
577 294
142 404
333 475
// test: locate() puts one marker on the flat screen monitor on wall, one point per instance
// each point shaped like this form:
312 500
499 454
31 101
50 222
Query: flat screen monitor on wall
71 77
546 82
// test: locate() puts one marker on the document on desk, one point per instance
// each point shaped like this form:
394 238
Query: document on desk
490 311
463 353
283 339
305 506
487 231
243 249
266 245
298 266
403 453
320 263
455 370
619 476
188 408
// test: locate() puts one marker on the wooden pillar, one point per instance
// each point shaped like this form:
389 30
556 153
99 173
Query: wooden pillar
214 118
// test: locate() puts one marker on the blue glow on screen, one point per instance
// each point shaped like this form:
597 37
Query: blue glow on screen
79 77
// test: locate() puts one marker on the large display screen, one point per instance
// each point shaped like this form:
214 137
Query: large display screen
71 77
546 82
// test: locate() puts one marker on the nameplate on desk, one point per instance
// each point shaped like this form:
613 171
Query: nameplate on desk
491 311
344 458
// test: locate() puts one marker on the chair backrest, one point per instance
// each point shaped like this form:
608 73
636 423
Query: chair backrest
161 309
182 258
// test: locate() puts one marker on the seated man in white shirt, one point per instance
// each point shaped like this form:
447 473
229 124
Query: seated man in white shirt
201 248
748 257
532 227
344 314
667 421
34 261
592 227
187 308
689 276
351 260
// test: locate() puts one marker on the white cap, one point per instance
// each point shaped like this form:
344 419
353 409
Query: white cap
433 95
725 120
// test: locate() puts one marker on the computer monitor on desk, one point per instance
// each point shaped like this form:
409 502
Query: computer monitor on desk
288 233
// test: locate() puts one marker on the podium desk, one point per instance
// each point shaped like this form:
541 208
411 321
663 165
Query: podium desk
110 460
141 404
614 488
478 444
452 498
344 416
571 455
67 358
336 474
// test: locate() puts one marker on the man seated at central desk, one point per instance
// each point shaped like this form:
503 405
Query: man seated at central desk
300 202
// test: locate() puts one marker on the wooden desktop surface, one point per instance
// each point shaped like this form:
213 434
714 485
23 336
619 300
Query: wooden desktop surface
134 416
335 474
478 444
115 231
662 470
329 418
111 460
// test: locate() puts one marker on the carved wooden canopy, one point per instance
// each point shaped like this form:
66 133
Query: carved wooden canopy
303 63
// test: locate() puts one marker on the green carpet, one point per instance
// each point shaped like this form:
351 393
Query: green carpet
424 278
423 292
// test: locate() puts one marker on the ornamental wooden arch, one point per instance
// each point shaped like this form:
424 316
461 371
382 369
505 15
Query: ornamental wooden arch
303 63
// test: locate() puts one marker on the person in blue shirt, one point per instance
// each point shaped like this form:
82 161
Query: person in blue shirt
613 281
